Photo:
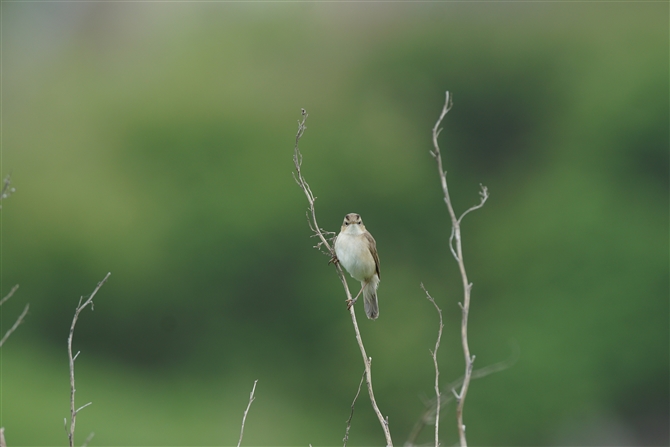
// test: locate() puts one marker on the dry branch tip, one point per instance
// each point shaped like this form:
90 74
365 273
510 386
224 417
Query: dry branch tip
244 418
9 295
16 324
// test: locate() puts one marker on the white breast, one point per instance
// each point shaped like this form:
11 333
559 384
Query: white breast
354 255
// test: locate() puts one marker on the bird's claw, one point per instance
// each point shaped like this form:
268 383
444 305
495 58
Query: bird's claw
350 303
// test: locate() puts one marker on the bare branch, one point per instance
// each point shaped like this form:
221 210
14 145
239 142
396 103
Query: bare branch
244 418
437 369
351 415
73 411
2 437
314 226
19 320
297 161
16 324
9 295
457 250
83 406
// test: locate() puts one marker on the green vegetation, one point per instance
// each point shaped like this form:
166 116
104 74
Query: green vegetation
154 141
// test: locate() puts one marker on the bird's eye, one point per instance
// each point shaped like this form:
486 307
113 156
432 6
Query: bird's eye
346 223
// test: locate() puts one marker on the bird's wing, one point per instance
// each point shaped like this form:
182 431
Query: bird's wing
373 250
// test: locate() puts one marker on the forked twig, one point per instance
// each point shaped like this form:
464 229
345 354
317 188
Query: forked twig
73 409
457 251
448 394
244 418
314 226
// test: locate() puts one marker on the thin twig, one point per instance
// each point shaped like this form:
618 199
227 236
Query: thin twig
297 161
449 394
437 369
457 251
73 409
244 418
351 415
15 325
18 321
9 295
484 195
84 406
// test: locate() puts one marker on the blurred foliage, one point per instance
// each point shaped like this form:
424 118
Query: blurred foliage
155 140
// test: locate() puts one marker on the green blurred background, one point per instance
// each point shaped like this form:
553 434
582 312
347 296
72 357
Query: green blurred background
154 141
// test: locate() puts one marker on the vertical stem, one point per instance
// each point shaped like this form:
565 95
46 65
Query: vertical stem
72 358
438 394
458 254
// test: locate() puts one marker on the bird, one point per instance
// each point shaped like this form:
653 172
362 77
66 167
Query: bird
356 251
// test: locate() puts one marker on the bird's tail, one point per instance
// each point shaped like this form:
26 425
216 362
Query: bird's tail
370 298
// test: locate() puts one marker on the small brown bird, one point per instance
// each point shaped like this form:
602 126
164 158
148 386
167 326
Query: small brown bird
356 250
